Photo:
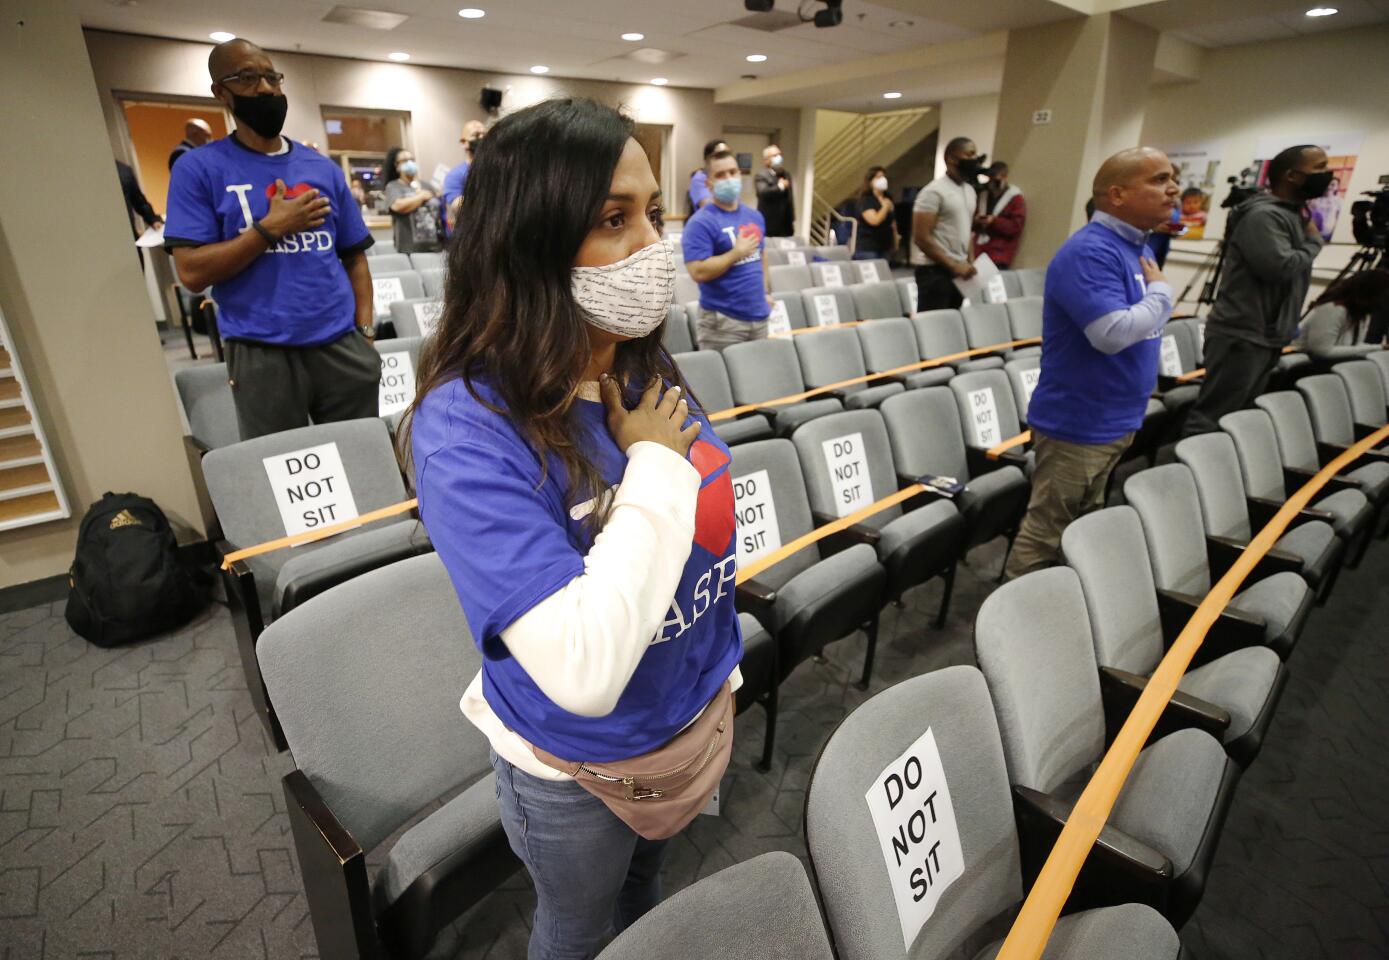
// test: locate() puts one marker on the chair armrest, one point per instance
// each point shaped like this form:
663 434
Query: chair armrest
1118 869
839 395
978 461
1233 629
1262 510
843 539
1293 478
1223 551
319 581
1121 690
894 378
770 412
333 868
1330 451
749 414
755 598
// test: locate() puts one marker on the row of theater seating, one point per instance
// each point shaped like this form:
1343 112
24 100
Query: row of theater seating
1062 656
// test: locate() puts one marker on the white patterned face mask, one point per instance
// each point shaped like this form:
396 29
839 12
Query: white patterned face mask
628 298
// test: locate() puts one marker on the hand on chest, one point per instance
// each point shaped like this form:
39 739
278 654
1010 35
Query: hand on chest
247 199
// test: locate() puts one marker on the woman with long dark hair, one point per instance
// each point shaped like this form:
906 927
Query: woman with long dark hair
1342 317
877 231
583 507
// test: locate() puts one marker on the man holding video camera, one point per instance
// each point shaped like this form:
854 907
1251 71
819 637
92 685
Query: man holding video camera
1268 268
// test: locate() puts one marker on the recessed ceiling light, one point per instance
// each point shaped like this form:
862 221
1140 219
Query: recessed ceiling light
892 95
659 81
398 56
472 13
634 37
540 68
1322 12
756 57
221 36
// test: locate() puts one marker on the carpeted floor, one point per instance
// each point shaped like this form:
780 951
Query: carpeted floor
141 814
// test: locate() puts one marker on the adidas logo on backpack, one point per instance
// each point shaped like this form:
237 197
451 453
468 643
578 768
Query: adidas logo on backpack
124 519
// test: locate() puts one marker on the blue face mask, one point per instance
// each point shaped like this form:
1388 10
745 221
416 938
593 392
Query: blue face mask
409 168
727 190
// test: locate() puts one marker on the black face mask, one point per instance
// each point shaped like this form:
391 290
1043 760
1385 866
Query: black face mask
264 113
971 168
1315 184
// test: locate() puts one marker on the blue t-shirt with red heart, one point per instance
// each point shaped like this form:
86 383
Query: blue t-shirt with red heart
297 293
509 540
740 293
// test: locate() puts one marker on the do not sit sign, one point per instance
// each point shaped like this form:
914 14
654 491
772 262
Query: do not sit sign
914 820
310 487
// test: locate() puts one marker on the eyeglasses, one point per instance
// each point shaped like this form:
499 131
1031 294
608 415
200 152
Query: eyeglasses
252 78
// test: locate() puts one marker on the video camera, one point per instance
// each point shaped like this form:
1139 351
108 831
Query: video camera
1370 219
1238 193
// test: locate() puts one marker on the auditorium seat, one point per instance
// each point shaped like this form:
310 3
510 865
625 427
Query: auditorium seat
906 291
834 252
813 597
876 300
1032 638
427 261
704 372
381 248
417 317
1033 281
1107 551
923 428
916 541
986 324
872 271
1380 359
763 907
828 306
1185 561
941 333
253 509
685 287
400 364
1308 445
433 280
789 278
890 344
1232 517
207 403
1012 283
832 273
833 356
1365 391
762 370
365 679
390 263
390 287
1023 375
944 720
1025 317
675 333
795 310
988 417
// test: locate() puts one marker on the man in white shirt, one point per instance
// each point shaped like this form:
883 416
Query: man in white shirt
942 227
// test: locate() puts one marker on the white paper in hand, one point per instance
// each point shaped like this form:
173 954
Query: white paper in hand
152 237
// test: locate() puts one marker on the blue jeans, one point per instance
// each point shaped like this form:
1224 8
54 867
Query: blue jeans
593 875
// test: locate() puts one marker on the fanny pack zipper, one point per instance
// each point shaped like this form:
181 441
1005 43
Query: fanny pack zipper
635 792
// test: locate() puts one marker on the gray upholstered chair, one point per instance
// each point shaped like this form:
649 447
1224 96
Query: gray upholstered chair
812 598
675 332
686 289
427 261
1033 281
1229 515
876 270
1267 480
877 299
1276 600
923 429
433 280
704 371
906 292
1012 283
389 262
890 344
262 588
832 273
795 307
1131 634
1380 358
385 292
1307 444
986 324
832 252
1334 418
1179 344
1365 391
846 853
989 416
917 540
365 679
762 370
415 317
210 411
1025 317
1032 638
1023 375
833 356
774 256
789 278
380 248
941 333
828 306
763 907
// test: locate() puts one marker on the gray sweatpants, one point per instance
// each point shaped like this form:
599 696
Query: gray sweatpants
280 388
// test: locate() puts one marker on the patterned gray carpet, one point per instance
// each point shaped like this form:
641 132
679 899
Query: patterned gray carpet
141 814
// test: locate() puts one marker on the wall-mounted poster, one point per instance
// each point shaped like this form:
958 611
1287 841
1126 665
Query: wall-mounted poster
1342 150
1197 166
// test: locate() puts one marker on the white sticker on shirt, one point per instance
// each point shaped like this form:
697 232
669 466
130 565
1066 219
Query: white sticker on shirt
310 488
427 316
397 383
914 819
1029 378
795 258
848 466
779 321
386 291
826 309
867 271
1170 360
996 291
831 277
984 414
755 516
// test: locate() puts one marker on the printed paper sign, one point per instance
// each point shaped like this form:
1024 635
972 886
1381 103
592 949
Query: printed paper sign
984 414
1170 361
867 271
914 819
1029 379
994 290
779 322
755 513
397 383
427 316
310 488
1201 338
830 277
386 291
911 294
785 243
848 465
795 258
826 309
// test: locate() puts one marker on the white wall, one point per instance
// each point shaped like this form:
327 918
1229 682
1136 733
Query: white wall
973 117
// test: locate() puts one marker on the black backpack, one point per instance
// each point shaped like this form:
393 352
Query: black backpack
127 580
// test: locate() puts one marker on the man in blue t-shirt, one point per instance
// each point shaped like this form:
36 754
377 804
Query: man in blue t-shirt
454 180
723 252
698 192
273 228
1105 305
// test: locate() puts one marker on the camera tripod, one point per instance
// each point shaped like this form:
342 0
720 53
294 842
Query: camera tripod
1213 264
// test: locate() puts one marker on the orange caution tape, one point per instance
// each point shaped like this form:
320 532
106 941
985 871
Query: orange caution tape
993 453
1031 930
820 533
322 533
732 412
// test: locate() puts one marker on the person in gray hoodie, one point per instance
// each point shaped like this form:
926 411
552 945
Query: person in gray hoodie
1268 268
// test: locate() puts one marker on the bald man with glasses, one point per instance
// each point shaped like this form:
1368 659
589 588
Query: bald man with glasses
272 227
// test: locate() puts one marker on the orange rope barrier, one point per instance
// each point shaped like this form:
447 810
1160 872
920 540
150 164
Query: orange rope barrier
993 453
321 533
1031 930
